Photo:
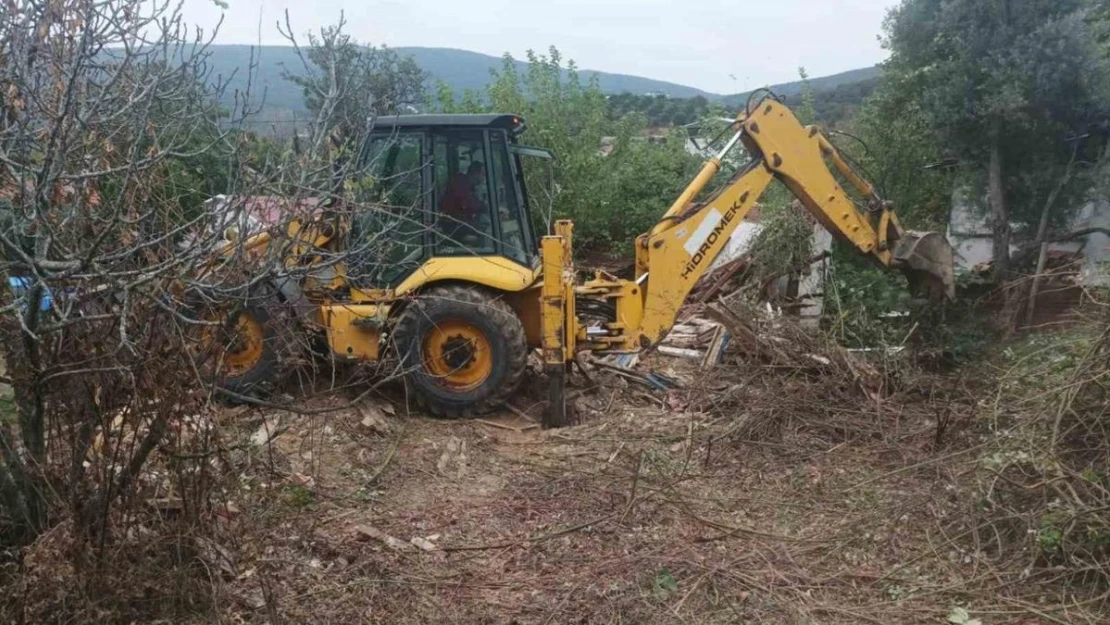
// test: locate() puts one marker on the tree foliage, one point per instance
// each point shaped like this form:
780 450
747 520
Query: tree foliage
1002 85
658 109
358 80
892 141
612 194
832 105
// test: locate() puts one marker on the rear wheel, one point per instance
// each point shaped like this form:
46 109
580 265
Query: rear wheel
463 350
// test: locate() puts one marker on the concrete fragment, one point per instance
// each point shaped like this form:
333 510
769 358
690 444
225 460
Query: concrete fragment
423 543
367 532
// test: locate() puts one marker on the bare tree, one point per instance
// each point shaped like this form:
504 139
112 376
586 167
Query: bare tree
121 291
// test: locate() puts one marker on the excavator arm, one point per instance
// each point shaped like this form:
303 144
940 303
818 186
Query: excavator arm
683 244
680 248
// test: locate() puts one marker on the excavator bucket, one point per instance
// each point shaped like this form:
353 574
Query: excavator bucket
929 264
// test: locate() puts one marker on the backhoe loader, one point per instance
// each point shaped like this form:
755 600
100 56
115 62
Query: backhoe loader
461 292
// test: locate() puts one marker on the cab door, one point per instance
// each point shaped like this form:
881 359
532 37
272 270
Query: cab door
517 240
478 203
389 231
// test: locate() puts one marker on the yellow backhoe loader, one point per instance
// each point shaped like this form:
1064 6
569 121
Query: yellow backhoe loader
460 291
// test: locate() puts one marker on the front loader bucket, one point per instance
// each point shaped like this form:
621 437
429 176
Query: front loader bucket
929 264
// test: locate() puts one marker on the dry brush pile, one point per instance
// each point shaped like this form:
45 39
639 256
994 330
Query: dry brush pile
1017 442
1043 481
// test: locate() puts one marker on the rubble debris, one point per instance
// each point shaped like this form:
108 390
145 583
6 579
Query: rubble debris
422 543
733 328
270 429
697 339
624 372
717 281
374 418
664 382
368 532
653 379
628 361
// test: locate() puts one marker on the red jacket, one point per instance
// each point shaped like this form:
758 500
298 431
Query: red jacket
459 200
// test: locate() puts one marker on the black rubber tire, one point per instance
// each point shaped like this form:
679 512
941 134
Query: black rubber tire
482 309
256 380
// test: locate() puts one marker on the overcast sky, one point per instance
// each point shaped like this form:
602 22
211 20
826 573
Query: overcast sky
714 45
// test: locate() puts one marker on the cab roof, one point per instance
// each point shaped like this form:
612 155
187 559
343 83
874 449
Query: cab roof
506 121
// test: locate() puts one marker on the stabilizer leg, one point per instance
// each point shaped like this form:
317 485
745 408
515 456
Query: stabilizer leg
556 415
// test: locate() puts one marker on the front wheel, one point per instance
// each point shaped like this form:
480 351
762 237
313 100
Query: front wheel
242 351
463 350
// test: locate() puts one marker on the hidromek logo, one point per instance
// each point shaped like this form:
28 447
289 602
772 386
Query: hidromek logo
699 256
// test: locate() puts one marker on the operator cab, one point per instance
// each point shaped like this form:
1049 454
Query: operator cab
435 186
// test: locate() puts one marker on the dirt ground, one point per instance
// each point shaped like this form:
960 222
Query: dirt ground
751 497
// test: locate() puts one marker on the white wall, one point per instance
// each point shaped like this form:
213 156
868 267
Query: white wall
812 285
738 243
969 233
1096 251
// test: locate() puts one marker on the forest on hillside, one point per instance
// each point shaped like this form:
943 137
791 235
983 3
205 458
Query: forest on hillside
833 106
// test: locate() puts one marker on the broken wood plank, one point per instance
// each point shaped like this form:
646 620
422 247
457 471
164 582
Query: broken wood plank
682 340
742 333
506 426
716 347
723 275
680 352
520 413
628 361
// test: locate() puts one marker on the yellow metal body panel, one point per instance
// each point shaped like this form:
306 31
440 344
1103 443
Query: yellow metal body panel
710 169
495 272
553 302
528 307
354 330
564 229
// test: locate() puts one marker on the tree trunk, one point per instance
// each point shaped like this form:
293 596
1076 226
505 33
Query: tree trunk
1042 232
1000 219
1042 227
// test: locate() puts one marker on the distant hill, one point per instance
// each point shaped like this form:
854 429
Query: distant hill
824 83
470 70
461 69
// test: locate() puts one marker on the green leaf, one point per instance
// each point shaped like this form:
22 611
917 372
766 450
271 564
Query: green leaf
664 584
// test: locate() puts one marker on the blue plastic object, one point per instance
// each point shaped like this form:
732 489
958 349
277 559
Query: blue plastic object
20 285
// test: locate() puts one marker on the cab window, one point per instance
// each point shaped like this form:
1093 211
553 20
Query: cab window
387 223
515 236
464 223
